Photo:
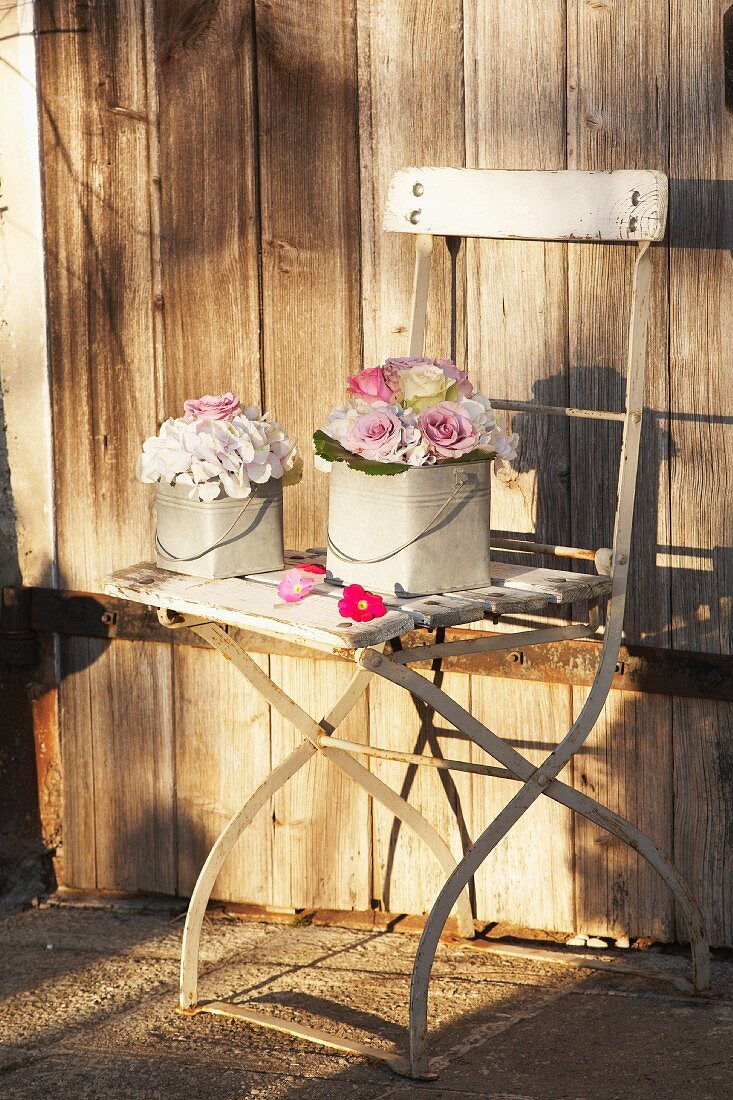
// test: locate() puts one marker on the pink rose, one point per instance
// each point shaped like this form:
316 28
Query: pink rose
369 385
464 387
447 430
224 407
376 434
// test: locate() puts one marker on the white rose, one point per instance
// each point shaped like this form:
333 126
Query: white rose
424 386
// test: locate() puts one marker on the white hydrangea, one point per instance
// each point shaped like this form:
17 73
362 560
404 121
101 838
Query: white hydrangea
209 455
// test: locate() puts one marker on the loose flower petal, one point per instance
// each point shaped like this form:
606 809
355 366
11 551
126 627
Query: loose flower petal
360 605
294 586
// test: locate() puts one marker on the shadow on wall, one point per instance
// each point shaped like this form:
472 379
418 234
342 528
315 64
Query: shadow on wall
635 898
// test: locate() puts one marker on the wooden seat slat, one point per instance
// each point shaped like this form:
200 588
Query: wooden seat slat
239 602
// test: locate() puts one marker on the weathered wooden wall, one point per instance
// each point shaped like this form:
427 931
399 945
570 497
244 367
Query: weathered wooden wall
215 172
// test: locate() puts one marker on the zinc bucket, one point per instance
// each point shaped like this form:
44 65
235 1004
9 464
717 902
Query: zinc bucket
223 537
413 533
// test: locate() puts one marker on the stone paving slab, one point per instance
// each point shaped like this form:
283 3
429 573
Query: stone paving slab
93 1015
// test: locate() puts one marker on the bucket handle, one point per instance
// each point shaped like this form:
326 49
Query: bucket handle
461 481
194 557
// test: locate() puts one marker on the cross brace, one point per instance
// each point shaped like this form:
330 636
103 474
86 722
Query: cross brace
535 781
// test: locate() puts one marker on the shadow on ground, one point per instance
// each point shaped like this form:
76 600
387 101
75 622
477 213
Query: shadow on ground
88 998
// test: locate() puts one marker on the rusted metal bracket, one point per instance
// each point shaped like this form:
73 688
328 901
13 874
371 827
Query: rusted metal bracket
25 612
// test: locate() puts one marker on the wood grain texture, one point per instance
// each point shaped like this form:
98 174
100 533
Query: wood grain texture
311 331
209 208
96 168
701 281
401 124
517 311
397 721
222 756
528 878
322 849
210 302
181 139
618 117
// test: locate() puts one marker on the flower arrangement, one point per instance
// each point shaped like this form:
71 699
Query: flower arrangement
219 445
411 412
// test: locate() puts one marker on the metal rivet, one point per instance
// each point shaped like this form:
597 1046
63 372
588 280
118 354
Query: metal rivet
417 189
635 198
414 217
542 780
375 660
633 222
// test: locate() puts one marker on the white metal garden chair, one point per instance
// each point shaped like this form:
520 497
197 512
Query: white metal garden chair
624 207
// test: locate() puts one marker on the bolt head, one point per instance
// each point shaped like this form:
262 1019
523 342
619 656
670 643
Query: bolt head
417 189
414 216
375 660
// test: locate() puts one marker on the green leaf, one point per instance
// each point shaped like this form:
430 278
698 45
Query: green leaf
332 451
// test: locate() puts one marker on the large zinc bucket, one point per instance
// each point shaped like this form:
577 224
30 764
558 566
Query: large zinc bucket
222 537
424 530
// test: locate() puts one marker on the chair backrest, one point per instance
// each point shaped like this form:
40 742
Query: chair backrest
562 206
623 206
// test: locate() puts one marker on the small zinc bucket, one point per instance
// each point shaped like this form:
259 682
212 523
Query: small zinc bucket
422 531
223 537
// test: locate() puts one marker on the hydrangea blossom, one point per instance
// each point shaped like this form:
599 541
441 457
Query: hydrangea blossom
217 446
417 412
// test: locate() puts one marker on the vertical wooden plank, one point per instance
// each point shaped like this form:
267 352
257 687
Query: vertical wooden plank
222 755
517 336
322 833
210 299
209 212
617 94
528 878
94 103
309 178
701 278
399 722
406 119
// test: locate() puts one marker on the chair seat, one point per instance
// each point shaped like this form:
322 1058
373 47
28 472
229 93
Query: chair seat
252 603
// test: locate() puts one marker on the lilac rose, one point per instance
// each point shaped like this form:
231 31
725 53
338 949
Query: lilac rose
392 368
377 435
447 430
224 407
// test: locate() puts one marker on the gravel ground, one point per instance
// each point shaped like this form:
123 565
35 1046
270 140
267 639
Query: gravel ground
88 999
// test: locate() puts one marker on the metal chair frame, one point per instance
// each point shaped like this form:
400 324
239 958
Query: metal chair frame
609 206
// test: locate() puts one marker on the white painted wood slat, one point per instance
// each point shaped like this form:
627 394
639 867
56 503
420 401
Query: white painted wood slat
524 205
239 602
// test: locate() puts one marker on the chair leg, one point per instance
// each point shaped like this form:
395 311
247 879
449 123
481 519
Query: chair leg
655 857
215 861
435 923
